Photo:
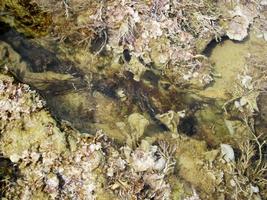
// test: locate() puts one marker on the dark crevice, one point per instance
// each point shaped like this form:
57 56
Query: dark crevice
127 55
151 77
213 43
38 58
9 173
3 28
99 41
188 125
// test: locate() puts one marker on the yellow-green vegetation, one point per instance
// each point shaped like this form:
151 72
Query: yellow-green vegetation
25 16
133 100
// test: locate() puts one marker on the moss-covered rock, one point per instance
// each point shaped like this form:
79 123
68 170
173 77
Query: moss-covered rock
26 16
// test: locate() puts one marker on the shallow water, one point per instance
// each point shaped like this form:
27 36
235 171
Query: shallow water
230 60
93 103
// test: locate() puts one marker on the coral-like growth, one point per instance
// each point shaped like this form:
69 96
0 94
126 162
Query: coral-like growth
141 173
247 176
16 100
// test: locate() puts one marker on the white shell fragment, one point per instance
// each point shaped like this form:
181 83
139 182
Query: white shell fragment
254 189
265 36
227 153
52 182
14 158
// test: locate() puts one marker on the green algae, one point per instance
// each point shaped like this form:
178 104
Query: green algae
30 132
26 17
229 61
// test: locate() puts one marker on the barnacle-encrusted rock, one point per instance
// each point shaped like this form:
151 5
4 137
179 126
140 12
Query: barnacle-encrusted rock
143 158
238 28
24 122
96 91
242 17
149 165
160 52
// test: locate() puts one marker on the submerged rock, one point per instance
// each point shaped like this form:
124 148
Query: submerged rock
238 28
138 124
242 18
